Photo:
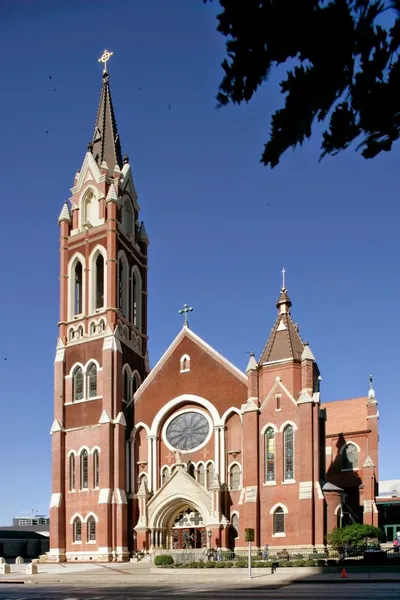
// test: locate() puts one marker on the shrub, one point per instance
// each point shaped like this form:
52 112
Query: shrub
228 565
331 562
353 536
163 559
320 562
220 565
308 563
299 563
241 564
209 564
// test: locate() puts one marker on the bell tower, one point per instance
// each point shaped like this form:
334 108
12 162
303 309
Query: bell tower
101 356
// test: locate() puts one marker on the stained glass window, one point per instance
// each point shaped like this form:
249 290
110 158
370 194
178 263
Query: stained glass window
350 457
279 520
288 442
78 289
100 281
84 470
188 518
92 381
91 529
270 454
126 386
77 530
72 472
96 469
234 477
77 384
188 430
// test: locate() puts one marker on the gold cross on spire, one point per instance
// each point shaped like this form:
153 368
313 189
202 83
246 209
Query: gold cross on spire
104 58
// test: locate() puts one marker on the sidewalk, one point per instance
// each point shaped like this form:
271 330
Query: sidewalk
144 573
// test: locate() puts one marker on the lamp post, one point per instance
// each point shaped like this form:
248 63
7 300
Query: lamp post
209 538
134 541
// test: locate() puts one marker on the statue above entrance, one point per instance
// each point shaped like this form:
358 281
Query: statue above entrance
178 456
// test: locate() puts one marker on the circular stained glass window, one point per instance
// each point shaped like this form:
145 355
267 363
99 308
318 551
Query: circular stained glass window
187 431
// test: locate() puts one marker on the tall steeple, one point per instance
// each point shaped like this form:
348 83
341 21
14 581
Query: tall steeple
105 144
284 340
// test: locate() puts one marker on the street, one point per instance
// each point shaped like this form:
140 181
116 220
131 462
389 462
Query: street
329 591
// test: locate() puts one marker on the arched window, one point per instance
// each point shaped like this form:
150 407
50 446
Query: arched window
96 469
91 210
164 475
123 293
190 469
234 477
101 326
71 472
92 328
288 443
77 384
270 454
279 520
185 363
234 528
84 470
100 281
91 529
136 298
92 380
350 456
77 530
210 474
127 385
201 474
78 283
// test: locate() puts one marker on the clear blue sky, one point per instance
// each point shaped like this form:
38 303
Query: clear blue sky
221 225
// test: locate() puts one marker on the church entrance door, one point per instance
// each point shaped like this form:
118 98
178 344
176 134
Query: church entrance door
188 530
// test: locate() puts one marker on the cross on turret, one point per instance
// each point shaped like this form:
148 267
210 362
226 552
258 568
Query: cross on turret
184 311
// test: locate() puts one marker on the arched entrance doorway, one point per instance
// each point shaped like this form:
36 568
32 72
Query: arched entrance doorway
187 529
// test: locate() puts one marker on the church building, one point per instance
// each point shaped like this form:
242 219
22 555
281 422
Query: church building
194 451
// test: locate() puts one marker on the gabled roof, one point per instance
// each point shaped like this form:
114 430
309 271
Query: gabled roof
105 143
284 341
186 332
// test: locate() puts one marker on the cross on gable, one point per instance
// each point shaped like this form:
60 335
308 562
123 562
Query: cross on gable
170 457
184 311
206 453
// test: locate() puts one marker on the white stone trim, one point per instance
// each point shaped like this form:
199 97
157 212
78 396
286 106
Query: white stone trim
278 384
75 516
305 490
98 249
77 257
94 449
276 535
339 506
56 427
55 501
266 426
60 351
83 448
285 424
138 426
319 490
70 452
104 496
125 284
192 398
186 332
346 444
279 505
91 514
230 411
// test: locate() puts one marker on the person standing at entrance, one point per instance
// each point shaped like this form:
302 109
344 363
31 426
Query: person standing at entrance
265 552
219 554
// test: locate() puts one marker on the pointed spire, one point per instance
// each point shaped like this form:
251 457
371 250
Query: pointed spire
142 234
284 341
105 144
64 214
252 364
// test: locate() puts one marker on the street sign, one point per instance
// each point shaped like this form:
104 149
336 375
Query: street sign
249 535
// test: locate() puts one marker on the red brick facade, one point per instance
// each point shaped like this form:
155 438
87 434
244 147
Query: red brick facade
194 451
